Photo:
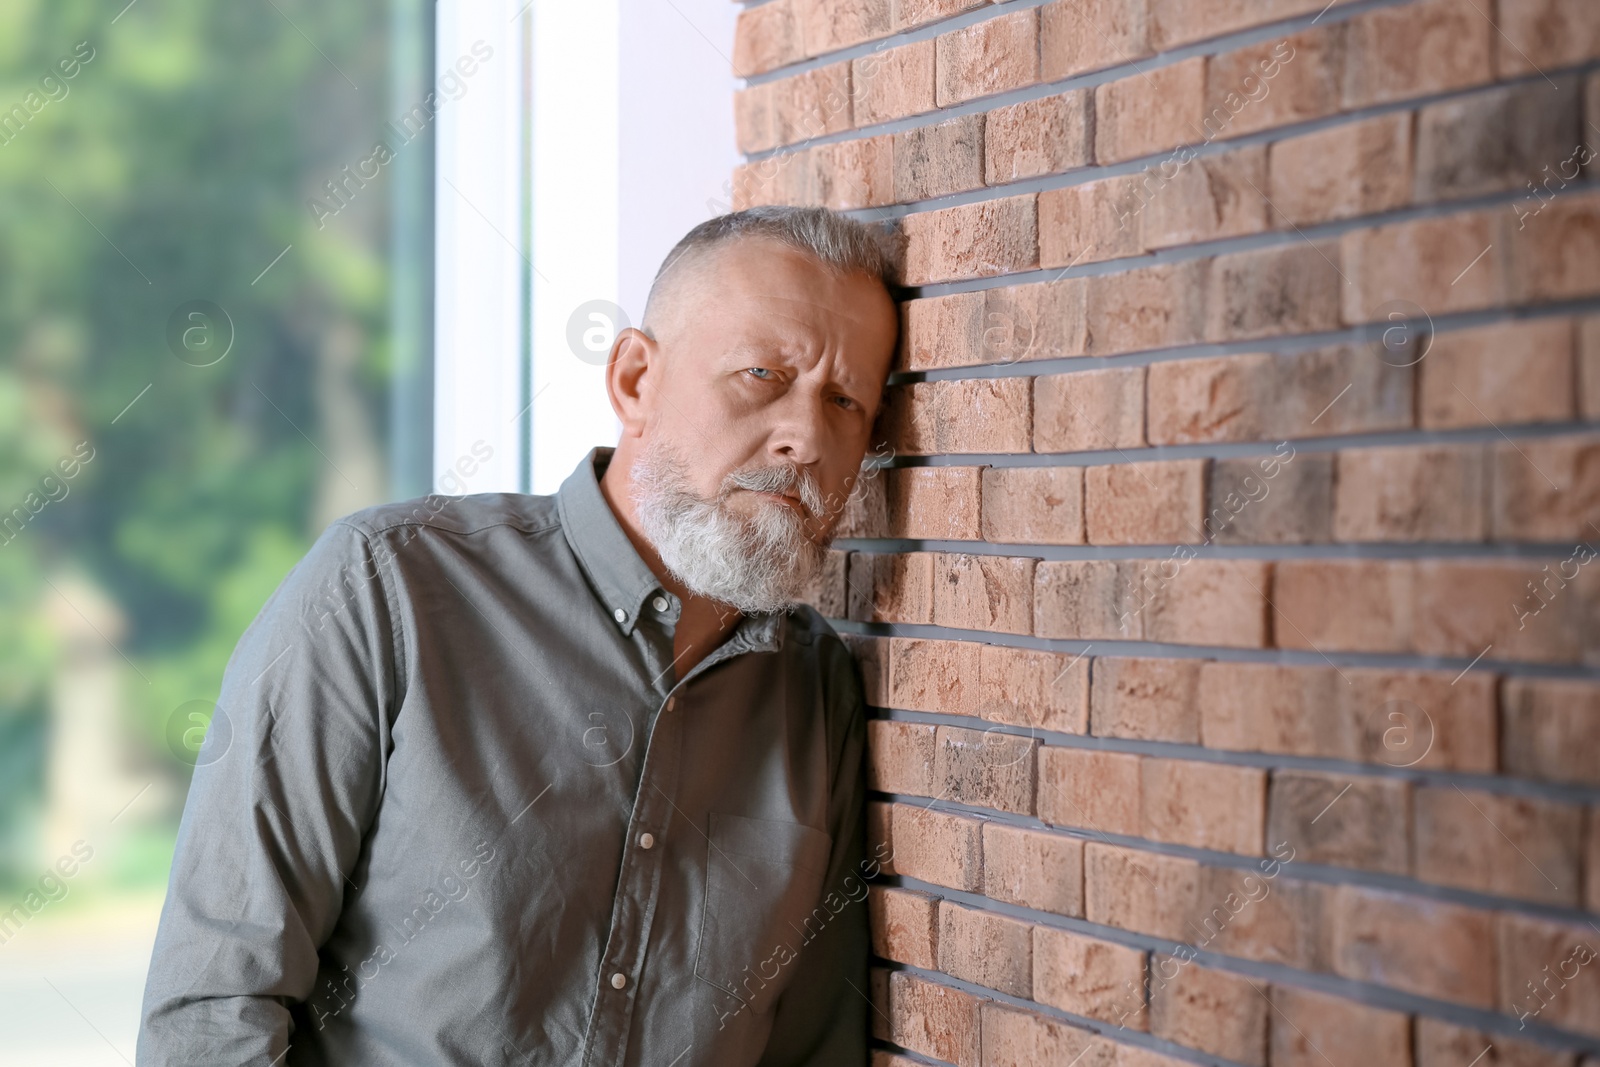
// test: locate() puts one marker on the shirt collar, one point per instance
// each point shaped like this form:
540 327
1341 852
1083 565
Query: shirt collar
615 567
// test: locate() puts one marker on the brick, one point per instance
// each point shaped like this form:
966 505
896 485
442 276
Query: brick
1547 969
971 241
1429 47
1208 601
909 13
1145 503
827 591
1551 729
1135 1056
986 768
905 925
1342 821
1089 976
1442 1044
1213 1011
1434 720
1343 604
882 1006
1145 699
891 588
969 415
1260 707
828 25
1258 397
1529 506
1290 289
1089 411
1089 222
893 83
1271 499
1414 944
1086 599
900 757
1411 493
1041 320
992 593
1356 168
1432 264
812 104
1263 914
1464 606
1145 892
1082 35
1310 1029
1508 373
1033 505
883 1058
1203 805
1543 35
1090 789
1591 863
1494 141
871 655
987 949
933 503
1033 869
1274 83
1151 307
932 675
938 159
1513 846
1047 690
935 846
934 1020
880 836
1032 138
1209 199
1557 255
1013 1038
1589 359
993 56
847 175
765 38
754 123
940 331
1176 22
1149 113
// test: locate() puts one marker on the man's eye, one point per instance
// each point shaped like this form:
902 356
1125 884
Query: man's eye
845 402
759 372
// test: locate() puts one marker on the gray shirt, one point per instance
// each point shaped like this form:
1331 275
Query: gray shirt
456 807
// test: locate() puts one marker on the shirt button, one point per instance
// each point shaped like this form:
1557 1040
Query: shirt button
619 980
647 840
620 615
659 603
671 703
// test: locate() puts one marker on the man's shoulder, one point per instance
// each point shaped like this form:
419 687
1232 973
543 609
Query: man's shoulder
464 514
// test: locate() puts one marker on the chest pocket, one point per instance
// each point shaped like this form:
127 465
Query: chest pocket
763 882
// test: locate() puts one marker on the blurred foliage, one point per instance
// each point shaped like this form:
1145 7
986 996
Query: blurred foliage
173 166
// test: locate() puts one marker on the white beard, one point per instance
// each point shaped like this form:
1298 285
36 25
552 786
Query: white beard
759 565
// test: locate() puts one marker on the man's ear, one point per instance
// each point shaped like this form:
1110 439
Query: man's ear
631 370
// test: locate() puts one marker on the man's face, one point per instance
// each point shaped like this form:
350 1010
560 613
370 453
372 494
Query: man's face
754 414
771 360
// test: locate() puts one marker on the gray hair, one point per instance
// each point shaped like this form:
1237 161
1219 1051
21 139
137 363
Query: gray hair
837 241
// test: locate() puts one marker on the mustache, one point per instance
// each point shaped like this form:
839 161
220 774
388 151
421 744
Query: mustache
781 478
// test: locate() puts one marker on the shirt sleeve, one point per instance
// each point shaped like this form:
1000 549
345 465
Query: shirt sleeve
284 789
821 1018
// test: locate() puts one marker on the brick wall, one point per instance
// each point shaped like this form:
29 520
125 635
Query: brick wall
1229 605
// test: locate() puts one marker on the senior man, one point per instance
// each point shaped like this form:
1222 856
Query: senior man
568 779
